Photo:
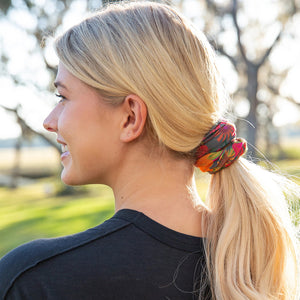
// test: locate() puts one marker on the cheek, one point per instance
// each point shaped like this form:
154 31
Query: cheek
88 131
97 147
65 121
94 163
74 122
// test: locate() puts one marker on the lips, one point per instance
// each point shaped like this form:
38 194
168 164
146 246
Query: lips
64 149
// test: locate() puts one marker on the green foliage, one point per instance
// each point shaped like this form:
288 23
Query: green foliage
292 152
36 211
28 213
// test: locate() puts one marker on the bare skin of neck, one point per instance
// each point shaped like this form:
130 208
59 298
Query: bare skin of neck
162 187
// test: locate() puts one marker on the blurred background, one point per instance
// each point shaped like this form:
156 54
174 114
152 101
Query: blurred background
258 51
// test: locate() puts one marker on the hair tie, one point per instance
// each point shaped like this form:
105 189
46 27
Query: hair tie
219 148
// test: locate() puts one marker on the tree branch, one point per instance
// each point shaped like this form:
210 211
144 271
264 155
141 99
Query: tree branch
217 10
268 52
275 91
211 5
238 30
231 58
293 11
221 50
25 127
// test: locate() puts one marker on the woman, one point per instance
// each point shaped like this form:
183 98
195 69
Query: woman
141 104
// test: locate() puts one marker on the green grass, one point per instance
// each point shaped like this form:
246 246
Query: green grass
32 211
28 213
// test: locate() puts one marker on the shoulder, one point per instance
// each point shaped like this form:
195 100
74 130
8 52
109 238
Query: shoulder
27 256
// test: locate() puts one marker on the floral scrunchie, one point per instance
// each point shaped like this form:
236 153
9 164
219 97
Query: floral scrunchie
219 148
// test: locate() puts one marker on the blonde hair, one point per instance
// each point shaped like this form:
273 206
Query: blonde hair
150 50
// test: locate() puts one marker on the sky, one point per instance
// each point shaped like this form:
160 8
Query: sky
37 104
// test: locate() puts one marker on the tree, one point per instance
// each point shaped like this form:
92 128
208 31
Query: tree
44 25
45 17
244 38
248 39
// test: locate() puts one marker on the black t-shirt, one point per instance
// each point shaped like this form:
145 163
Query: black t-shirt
129 256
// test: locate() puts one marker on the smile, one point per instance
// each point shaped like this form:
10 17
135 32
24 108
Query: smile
64 148
65 151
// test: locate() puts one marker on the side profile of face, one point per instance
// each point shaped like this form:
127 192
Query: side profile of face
88 129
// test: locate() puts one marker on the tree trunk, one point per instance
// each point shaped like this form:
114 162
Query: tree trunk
16 168
252 87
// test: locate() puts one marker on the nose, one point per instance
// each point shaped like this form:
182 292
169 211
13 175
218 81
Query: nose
50 123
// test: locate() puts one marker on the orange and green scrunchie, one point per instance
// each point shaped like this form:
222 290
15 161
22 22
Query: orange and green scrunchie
219 148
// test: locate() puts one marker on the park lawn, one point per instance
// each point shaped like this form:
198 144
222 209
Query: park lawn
28 213
31 212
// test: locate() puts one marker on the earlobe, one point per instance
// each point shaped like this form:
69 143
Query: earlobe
135 114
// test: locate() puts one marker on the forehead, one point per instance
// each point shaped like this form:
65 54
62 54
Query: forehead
64 78
62 74
69 83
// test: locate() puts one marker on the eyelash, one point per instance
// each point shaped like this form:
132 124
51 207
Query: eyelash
62 98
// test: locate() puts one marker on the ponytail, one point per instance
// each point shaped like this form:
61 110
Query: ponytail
251 248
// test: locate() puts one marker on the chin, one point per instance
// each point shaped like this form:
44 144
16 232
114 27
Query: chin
72 178
70 182
68 179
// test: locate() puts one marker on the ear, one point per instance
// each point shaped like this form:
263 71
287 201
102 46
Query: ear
135 115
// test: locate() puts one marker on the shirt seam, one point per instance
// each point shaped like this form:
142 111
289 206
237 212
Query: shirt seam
33 265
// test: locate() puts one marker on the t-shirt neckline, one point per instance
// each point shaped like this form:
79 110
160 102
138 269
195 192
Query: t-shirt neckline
160 232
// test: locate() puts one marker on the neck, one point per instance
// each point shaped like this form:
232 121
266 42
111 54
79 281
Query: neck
163 189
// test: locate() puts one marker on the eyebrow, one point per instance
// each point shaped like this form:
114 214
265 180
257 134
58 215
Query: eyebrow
58 83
